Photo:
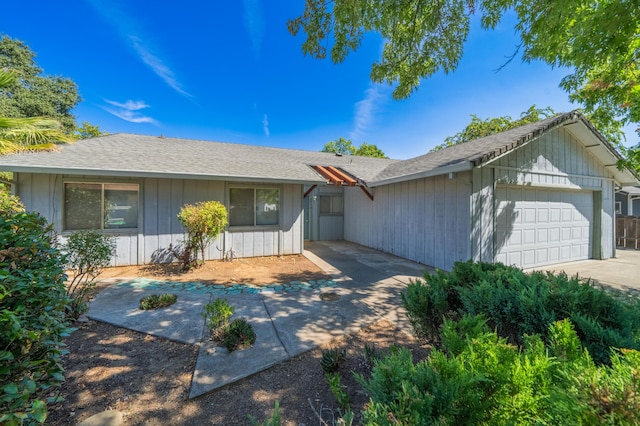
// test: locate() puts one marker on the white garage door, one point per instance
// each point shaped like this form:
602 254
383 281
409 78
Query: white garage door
536 227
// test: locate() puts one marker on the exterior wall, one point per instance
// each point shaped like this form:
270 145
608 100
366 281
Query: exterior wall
629 206
160 202
426 220
556 160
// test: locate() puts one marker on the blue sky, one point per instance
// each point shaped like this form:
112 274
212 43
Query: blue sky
230 71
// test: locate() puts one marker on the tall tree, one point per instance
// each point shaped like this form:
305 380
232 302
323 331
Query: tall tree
340 146
17 134
370 150
33 94
479 128
598 39
88 130
344 146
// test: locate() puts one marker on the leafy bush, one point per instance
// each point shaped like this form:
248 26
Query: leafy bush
239 335
87 254
155 301
32 314
479 378
216 316
203 222
517 304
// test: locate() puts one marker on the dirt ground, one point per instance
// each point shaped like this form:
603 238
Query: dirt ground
253 270
148 378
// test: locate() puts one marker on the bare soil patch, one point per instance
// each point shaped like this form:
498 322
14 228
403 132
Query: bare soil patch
253 270
148 378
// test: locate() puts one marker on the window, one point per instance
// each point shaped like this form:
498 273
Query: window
254 206
331 204
618 207
100 206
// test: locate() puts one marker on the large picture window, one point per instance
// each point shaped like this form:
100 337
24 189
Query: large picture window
100 206
254 206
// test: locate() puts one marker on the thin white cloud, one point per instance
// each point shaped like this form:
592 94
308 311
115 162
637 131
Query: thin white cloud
365 111
254 23
129 111
132 34
265 125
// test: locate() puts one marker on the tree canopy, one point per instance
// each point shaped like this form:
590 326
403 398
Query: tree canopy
479 128
598 39
33 94
29 133
344 146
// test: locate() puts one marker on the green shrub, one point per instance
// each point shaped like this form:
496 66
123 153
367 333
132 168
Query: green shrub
32 314
203 222
477 377
155 301
87 254
331 359
240 335
342 398
216 316
517 304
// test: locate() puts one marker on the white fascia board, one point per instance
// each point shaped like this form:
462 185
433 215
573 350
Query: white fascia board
159 175
458 167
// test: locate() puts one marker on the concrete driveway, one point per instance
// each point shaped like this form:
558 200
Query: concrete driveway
621 272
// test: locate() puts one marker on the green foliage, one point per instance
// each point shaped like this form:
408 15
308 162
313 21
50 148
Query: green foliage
273 420
34 94
87 254
517 304
239 335
10 204
479 128
30 133
88 130
340 146
479 378
423 37
371 353
203 222
216 316
344 146
32 314
342 398
331 359
369 150
155 301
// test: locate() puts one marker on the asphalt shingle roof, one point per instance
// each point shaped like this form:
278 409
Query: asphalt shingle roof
139 155
125 154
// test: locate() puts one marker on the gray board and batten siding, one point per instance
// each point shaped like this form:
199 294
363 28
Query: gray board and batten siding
158 225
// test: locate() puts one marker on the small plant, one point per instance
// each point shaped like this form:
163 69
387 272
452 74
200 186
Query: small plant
338 391
87 254
273 420
240 335
216 316
331 359
155 301
371 353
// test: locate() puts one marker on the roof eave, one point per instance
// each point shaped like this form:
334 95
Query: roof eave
453 168
160 175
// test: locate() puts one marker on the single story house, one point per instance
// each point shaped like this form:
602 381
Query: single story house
536 195
628 201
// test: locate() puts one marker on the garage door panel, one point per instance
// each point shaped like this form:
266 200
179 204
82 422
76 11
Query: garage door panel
546 226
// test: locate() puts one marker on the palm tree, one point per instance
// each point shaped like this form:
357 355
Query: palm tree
26 134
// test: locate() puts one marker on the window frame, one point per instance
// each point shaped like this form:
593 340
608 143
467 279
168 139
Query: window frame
618 207
103 184
255 188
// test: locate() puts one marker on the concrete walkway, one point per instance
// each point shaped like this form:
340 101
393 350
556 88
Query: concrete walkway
621 272
286 324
